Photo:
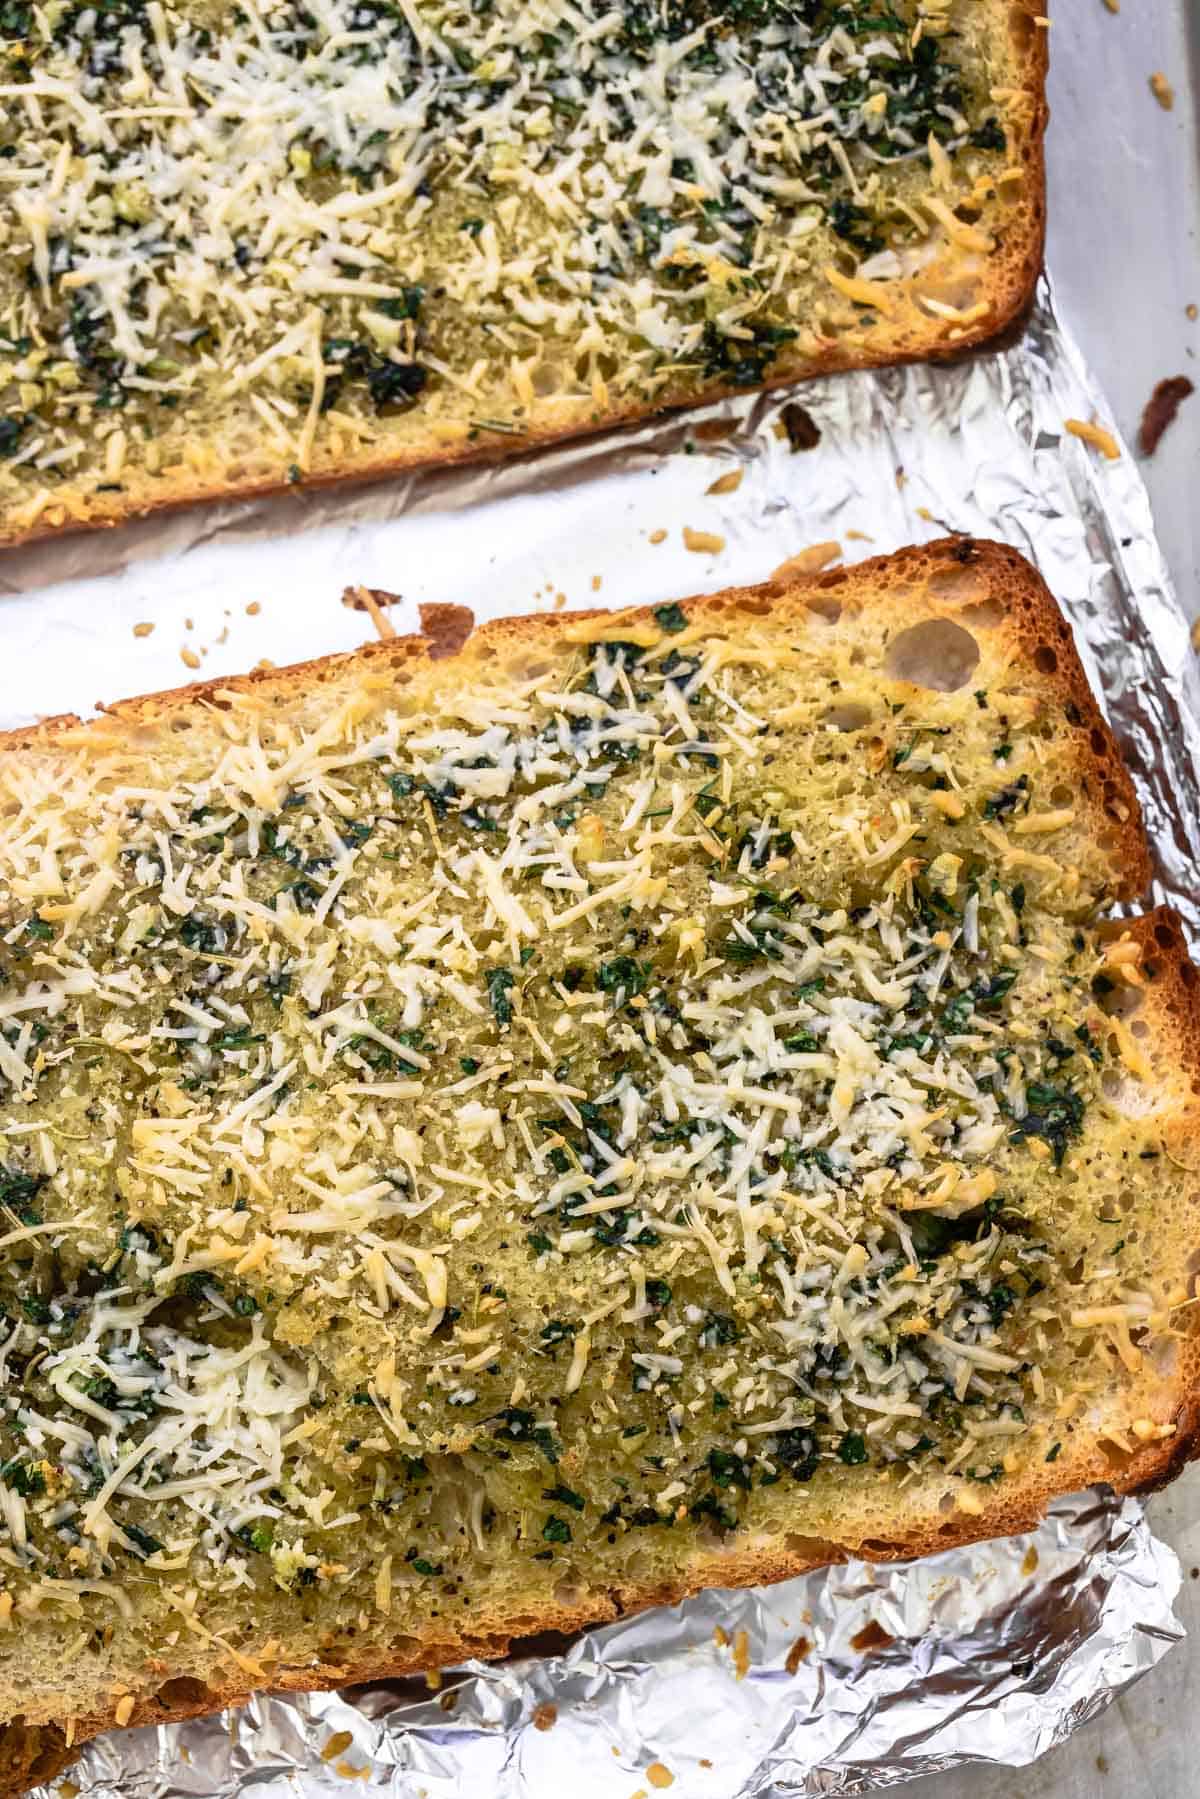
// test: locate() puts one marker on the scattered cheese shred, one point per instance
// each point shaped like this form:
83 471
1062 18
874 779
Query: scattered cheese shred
1096 435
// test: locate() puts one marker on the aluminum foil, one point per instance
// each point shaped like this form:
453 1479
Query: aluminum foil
843 1681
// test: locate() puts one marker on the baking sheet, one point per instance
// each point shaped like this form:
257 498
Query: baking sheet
986 1654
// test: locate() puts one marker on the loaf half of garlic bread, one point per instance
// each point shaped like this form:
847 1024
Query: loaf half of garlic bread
503 1128
245 248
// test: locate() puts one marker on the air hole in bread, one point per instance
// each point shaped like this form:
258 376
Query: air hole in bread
1114 805
937 653
811 1549
1130 1098
1045 660
988 615
1187 974
849 716
824 607
1099 741
1165 937
958 586
1116 999
1115 1457
1061 796
174 1695
1139 1028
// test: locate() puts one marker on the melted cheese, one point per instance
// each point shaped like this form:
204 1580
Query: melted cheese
299 222
520 1049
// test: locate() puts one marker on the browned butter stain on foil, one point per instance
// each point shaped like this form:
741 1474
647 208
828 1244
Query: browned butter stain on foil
871 1636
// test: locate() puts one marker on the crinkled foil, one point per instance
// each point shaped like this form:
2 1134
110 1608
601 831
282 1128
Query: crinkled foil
843 1681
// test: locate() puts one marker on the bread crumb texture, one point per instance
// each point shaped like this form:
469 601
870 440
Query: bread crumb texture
498 1133
250 248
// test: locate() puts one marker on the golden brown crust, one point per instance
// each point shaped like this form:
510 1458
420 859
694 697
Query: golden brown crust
1172 1015
33 1753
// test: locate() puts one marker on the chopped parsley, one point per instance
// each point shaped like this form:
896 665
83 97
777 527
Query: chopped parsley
499 983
